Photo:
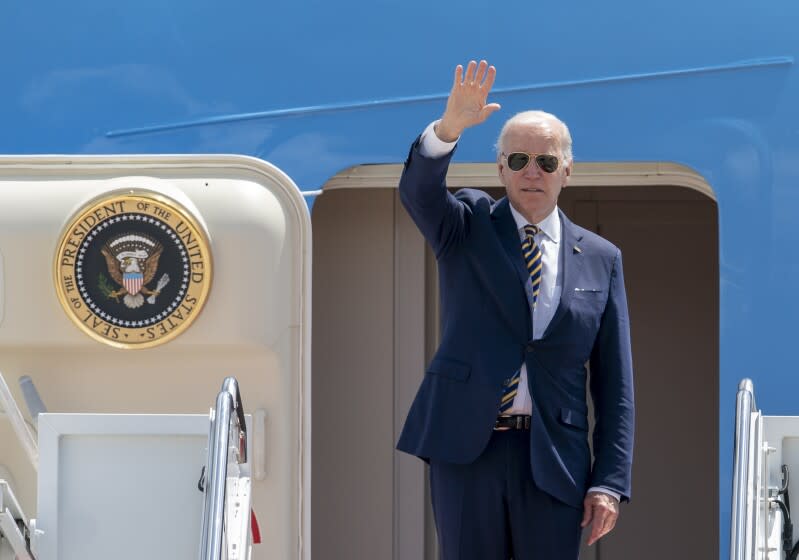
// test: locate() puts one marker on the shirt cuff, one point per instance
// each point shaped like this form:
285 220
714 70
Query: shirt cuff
608 491
431 146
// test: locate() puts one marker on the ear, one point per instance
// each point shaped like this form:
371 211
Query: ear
567 171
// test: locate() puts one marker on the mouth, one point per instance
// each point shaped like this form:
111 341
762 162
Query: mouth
532 190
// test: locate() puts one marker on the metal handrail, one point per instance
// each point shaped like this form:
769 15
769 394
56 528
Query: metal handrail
222 419
23 433
742 476
231 386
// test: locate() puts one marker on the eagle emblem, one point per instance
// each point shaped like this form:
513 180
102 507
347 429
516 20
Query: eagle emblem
132 262
133 269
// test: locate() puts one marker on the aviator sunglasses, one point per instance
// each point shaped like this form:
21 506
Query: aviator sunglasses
519 160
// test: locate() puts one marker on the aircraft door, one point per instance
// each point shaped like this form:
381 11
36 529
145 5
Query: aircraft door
135 285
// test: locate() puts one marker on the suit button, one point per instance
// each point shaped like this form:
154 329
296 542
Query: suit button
530 347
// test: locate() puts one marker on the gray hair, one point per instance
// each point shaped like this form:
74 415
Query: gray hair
542 120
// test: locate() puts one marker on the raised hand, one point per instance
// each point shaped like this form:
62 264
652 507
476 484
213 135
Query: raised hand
466 105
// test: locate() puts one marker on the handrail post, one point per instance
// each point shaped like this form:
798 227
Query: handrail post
745 405
231 386
228 401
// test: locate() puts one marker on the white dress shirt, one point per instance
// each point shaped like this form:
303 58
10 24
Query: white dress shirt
548 241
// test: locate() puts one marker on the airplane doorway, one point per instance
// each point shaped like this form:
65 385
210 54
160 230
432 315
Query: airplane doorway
669 243
375 325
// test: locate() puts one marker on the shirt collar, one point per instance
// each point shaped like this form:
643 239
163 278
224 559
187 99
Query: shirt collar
549 225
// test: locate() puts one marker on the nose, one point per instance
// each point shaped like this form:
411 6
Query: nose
532 169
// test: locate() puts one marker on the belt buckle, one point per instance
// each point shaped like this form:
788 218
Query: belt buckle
497 427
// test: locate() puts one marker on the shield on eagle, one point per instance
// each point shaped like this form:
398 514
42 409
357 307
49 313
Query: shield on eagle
133 282
132 261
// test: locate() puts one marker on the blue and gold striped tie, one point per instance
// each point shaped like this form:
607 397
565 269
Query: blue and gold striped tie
532 258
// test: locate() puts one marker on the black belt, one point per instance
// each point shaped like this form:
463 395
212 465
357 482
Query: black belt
512 422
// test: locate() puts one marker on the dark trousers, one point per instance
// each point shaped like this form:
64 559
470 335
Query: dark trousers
491 509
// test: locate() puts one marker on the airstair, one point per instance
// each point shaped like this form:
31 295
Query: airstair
217 520
765 476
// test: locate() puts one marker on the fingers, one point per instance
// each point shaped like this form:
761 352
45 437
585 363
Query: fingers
458 76
491 75
603 524
588 513
478 75
601 511
481 71
470 72
488 110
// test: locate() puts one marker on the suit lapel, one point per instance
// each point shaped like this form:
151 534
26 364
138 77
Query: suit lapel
508 235
505 226
571 261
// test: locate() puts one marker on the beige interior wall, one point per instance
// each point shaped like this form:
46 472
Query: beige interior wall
352 375
374 317
669 242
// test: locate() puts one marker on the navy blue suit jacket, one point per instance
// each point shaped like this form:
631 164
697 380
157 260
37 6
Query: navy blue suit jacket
486 334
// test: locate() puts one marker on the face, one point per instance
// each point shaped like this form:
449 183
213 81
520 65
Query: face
531 191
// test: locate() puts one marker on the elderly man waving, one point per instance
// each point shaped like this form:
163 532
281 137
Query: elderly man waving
527 299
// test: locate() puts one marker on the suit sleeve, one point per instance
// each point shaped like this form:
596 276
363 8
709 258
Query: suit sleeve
612 391
440 217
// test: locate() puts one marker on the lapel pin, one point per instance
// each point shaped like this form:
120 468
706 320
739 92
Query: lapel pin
577 249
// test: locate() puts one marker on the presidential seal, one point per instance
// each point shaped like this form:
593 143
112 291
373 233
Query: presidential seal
133 269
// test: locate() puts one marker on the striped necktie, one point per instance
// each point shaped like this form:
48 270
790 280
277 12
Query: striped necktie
532 258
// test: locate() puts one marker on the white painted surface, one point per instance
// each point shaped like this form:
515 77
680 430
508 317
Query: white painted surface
12 541
120 486
2 288
254 326
781 435
13 414
259 444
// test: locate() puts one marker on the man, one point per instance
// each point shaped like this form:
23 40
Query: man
527 298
